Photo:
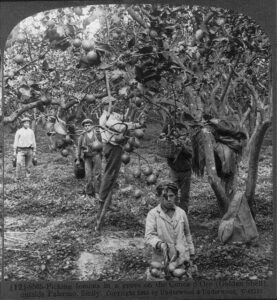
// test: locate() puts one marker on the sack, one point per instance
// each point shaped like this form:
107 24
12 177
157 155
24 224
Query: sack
238 225
225 230
60 127
79 169
228 160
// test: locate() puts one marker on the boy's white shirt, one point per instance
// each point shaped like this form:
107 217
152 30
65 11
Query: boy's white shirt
110 122
24 137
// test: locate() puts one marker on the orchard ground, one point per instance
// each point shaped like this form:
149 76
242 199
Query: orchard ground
49 224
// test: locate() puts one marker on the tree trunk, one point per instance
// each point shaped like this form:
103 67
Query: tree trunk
229 184
257 140
253 135
214 180
34 122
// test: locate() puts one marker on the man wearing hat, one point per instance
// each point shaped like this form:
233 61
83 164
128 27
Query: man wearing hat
24 147
92 158
114 127
167 228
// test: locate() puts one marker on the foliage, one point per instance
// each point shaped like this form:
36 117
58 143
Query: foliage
199 59
183 63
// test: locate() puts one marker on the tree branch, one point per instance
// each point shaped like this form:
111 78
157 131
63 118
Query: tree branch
208 17
245 116
212 97
13 116
222 98
30 63
254 93
136 17
146 13
17 113
253 163
109 92
203 25
29 45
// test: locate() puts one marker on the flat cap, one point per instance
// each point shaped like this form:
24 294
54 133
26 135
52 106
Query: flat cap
167 185
87 121
25 119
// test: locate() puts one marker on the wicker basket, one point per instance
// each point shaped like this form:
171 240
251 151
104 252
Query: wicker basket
165 148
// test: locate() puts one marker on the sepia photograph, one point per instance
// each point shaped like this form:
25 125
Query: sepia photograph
137 146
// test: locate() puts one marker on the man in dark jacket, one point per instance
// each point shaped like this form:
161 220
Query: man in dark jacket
92 158
180 169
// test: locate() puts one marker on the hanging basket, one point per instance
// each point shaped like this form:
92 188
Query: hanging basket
165 147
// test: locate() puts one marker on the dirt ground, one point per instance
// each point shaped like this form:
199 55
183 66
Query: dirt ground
49 223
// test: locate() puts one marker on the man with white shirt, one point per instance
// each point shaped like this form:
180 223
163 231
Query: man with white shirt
114 127
24 147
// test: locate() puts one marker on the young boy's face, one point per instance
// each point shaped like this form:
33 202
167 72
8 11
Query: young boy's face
88 127
168 198
26 124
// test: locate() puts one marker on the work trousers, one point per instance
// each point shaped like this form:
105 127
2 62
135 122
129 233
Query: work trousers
182 179
23 159
112 155
93 174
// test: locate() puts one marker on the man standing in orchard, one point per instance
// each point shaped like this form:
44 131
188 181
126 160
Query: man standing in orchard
24 148
167 231
89 149
181 167
114 128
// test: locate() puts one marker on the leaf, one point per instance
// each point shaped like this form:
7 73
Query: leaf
42 267
68 82
60 31
70 30
176 60
146 49
103 47
35 86
139 73
124 91
163 82
45 66
171 103
57 76
132 42
115 18
25 92
165 45
116 75
178 84
104 66
11 83
222 39
165 54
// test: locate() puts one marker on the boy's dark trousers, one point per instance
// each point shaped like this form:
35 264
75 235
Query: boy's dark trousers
182 179
112 155
93 166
